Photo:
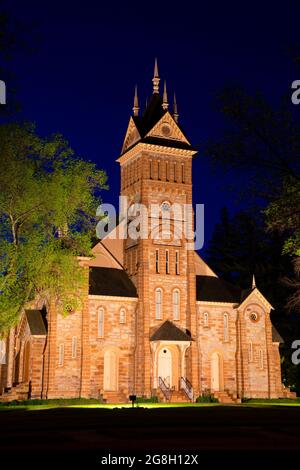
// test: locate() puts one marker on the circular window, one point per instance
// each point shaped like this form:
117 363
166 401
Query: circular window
253 316
165 351
165 207
166 130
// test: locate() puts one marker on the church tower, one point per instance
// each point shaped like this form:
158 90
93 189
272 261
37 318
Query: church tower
156 172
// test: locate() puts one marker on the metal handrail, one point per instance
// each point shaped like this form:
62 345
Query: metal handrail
164 388
186 386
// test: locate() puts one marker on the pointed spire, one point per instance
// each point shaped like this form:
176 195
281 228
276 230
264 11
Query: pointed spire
135 108
165 104
155 79
175 110
253 282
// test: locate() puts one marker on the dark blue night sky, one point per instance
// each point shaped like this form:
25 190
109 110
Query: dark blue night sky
90 54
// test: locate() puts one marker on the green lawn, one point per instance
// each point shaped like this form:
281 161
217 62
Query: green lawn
34 405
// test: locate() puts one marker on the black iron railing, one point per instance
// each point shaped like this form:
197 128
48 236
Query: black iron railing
167 392
186 386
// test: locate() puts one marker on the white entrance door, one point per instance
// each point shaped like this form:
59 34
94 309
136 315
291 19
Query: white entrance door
215 372
165 365
110 371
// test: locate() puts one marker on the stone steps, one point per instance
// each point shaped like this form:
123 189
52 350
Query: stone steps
226 397
288 394
177 396
114 397
17 392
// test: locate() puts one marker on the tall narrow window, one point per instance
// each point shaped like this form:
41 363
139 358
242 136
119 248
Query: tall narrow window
177 262
176 304
150 169
250 351
61 354
167 171
158 170
261 359
74 347
122 315
135 261
225 325
205 319
158 302
167 261
2 351
157 261
101 322
182 173
175 178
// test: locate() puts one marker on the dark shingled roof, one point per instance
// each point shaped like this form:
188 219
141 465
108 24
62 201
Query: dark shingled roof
170 332
276 338
153 113
111 281
214 289
35 322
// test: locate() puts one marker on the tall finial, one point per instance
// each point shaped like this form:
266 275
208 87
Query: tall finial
165 97
175 110
135 108
155 79
253 282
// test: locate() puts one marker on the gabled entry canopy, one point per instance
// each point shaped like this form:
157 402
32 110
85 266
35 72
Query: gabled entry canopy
170 332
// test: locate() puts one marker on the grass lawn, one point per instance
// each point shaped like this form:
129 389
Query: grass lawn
34 405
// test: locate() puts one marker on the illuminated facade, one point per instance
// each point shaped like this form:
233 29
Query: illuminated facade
155 320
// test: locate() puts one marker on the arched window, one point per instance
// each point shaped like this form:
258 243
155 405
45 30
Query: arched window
2 351
158 304
150 169
74 347
225 326
122 315
261 358
205 319
182 173
167 262
61 354
177 262
176 304
101 322
250 351
157 261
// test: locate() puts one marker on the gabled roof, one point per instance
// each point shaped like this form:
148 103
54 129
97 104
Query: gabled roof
145 123
214 289
170 332
36 322
110 281
152 114
246 293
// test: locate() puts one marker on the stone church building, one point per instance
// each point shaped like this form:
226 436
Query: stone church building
154 319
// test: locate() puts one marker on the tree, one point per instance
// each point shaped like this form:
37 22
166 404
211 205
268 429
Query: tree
240 247
48 203
262 144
